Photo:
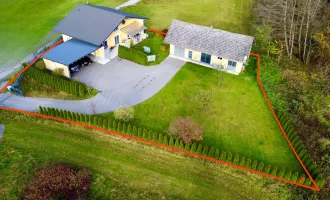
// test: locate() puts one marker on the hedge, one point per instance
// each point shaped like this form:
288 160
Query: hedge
298 145
58 83
132 55
178 143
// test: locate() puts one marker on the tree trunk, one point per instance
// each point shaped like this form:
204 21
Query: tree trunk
285 26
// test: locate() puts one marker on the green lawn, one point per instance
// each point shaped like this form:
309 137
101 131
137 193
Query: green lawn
154 41
122 169
235 116
23 23
230 15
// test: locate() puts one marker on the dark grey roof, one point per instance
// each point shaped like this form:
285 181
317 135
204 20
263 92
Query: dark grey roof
92 24
208 40
70 51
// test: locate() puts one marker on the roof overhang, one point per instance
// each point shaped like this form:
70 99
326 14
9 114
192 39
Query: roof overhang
133 28
70 51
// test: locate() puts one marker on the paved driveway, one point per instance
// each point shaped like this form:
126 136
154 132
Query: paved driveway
119 82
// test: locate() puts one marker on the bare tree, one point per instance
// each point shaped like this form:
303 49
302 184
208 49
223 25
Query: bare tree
186 129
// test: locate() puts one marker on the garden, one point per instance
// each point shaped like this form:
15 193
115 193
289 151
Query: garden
137 53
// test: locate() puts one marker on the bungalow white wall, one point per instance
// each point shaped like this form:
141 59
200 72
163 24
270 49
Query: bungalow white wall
215 60
51 65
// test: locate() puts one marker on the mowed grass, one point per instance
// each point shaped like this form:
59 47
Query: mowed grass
230 15
235 117
23 23
134 170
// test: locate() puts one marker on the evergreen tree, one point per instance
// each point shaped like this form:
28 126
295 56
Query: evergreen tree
236 159
124 130
145 134
69 115
199 149
77 117
129 129
160 139
118 126
248 163
307 182
242 161
267 169
62 114
254 165
230 157
53 112
176 144
110 124
150 135
294 177
90 119
135 131
154 137
261 167
114 125
281 173
181 145
81 116
65 114
95 121
187 147
165 141
171 142
205 150
57 111
223 156
81 91
49 111
217 154
193 148
211 152
41 110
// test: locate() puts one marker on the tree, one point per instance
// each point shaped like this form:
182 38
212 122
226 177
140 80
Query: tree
124 113
321 50
186 129
220 74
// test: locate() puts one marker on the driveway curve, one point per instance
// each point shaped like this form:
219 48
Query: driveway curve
120 82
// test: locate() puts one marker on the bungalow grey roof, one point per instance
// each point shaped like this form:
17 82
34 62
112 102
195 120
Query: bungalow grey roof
208 40
92 24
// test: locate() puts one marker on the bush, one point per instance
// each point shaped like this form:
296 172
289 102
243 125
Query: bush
217 154
223 156
58 72
165 141
132 55
236 159
186 129
160 139
187 147
248 163
162 48
211 152
193 148
70 183
242 161
39 65
205 150
287 175
274 171
124 113
131 43
294 177
176 144
171 142
230 157
145 134
254 165
199 149
267 169
261 167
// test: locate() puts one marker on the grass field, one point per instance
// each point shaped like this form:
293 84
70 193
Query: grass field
234 116
23 23
122 169
230 15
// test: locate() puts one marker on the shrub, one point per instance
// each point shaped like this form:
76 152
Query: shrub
154 137
140 133
301 179
39 65
217 154
124 113
199 149
307 182
160 139
242 161
41 110
187 147
132 55
150 135
70 183
186 129
58 72
131 43
129 129
294 177
181 145
267 169
254 165
114 125
281 173
274 171
145 134
287 175
118 126
211 152
134 132
223 156
162 48
171 142
261 166
176 144
124 130
205 150
236 159
193 148
248 163
165 141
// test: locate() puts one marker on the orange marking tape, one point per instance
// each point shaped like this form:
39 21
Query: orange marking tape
316 188
155 31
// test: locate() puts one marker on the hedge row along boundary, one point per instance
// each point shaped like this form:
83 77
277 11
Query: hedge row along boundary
59 83
316 188
132 55
204 150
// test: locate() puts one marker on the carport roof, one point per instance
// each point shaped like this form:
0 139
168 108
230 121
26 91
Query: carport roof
70 51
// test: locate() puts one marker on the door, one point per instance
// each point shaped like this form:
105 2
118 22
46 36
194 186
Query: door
179 51
231 65
116 40
206 58
190 54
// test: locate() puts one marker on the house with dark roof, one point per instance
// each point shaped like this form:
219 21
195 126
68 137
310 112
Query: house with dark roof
93 31
208 46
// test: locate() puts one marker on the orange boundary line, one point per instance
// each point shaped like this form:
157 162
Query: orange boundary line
279 123
162 145
156 31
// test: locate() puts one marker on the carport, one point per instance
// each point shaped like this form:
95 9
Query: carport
67 53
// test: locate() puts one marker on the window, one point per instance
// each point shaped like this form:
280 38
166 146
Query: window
231 63
105 44
206 58
190 54
117 40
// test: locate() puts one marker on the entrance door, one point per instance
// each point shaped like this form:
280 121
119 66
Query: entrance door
206 58
117 40
179 51
231 66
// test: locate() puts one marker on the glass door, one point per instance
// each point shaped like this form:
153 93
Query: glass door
206 58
